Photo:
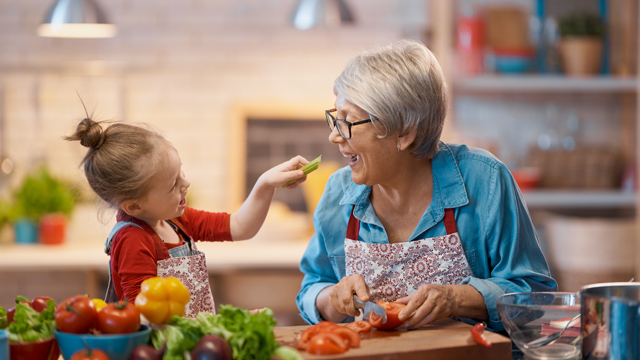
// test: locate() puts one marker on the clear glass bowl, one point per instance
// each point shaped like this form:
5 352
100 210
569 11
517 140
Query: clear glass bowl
532 315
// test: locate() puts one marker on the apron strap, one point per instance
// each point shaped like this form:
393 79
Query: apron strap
353 228
110 295
450 221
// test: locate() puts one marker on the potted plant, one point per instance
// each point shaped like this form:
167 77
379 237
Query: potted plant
580 44
41 207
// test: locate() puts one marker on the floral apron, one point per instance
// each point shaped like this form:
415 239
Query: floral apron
396 270
186 263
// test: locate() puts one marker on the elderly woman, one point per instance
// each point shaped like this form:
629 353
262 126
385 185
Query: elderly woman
439 227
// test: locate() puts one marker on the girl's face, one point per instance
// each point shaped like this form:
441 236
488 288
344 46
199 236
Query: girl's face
167 197
370 157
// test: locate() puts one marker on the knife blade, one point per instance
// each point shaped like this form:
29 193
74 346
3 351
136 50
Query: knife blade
368 307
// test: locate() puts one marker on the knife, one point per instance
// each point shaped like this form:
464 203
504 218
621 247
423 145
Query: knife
368 307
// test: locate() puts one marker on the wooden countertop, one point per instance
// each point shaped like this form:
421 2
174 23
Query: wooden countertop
444 339
225 256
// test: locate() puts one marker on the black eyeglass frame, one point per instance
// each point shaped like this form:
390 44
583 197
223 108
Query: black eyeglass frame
333 123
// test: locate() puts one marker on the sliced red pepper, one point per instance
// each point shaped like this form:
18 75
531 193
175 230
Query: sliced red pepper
477 332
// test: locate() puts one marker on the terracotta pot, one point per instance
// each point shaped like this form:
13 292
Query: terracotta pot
581 55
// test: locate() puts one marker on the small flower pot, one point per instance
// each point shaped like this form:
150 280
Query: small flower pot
581 56
53 229
26 231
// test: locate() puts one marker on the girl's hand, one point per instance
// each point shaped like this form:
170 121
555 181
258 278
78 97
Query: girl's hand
285 172
342 294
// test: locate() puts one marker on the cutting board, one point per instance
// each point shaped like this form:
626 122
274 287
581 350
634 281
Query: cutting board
445 339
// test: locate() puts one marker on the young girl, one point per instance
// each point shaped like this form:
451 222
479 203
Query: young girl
138 172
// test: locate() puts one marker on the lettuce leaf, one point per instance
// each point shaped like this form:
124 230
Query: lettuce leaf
249 335
30 326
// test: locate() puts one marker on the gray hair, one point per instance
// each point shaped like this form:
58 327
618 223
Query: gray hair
402 87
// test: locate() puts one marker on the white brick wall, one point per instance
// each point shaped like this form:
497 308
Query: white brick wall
178 65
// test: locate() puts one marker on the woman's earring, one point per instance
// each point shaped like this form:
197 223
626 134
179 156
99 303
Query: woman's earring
398 147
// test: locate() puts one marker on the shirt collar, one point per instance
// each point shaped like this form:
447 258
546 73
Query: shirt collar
448 187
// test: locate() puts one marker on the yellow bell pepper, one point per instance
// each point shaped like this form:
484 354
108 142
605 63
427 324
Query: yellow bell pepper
161 298
99 303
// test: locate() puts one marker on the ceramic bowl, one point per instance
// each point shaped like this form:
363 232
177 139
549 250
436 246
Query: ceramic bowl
39 350
117 346
532 315
513 61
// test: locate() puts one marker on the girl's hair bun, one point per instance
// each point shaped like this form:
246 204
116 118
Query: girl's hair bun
90 133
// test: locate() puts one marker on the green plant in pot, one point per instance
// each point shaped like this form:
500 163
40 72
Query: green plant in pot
581 36
42 204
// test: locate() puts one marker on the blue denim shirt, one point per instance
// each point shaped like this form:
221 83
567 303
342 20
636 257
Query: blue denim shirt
497 235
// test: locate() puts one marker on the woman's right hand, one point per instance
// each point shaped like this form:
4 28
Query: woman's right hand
342 294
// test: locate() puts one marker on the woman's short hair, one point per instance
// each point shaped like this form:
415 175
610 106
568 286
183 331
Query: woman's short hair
402 87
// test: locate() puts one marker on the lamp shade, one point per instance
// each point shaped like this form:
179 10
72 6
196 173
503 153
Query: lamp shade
311 13
76 19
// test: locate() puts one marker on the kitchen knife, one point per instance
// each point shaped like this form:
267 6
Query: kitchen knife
368 307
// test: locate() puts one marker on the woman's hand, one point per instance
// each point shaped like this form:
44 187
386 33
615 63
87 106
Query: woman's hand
336 301
285 172
342 294
434 301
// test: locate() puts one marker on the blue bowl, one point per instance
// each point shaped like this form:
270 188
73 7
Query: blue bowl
512 64
117 347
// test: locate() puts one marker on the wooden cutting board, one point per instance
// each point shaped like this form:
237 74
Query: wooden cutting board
445 339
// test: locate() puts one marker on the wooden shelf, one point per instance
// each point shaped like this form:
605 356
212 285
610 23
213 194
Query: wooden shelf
545 83
554 199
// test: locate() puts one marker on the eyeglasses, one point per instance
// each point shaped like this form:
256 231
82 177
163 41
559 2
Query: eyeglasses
344 127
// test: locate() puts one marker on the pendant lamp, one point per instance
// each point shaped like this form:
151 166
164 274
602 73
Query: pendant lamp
76 19
311 13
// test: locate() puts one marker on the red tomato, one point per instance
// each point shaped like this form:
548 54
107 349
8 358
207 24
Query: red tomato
309 332
76 314
351 337
393 310
40 303
119 318
477 332
359 326
89 354
327 343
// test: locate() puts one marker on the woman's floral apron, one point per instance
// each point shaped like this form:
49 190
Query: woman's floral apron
396 270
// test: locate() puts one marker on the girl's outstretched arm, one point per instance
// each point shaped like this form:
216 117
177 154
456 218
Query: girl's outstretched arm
249 219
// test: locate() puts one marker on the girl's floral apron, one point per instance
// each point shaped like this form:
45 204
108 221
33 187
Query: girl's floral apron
186 263
396 270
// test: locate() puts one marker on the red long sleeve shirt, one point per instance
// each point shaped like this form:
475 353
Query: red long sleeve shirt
135 252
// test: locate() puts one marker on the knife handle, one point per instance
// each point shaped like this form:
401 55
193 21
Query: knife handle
357 303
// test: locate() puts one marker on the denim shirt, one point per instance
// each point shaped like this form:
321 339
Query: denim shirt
495 228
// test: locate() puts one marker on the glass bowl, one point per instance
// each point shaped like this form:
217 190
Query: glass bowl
531 315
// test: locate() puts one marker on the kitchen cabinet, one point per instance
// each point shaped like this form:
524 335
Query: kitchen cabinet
624 89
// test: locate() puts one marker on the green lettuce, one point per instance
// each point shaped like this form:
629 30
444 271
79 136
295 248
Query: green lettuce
249 335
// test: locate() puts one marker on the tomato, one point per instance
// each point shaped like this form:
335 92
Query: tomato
119 318
359 326
40 303
76 314
477 332
351 337
313 330
327 343
393 310
89 354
